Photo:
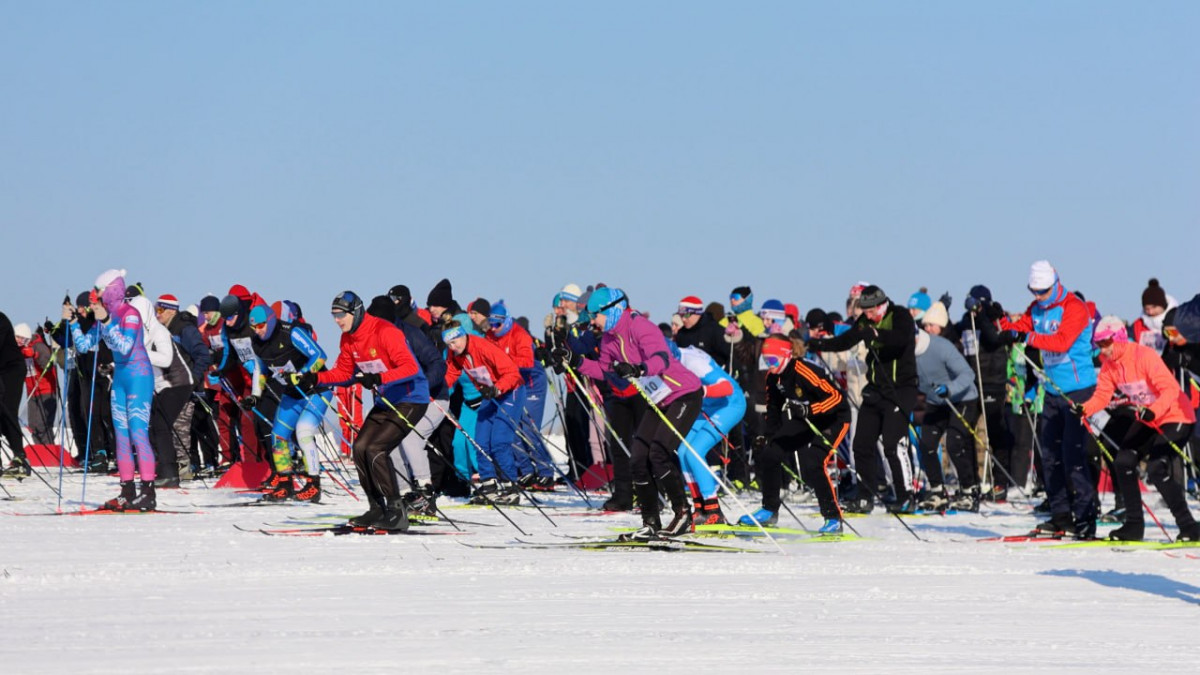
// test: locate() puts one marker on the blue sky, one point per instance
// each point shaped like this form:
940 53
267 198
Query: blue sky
670 148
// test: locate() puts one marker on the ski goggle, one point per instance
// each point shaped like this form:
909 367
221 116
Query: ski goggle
495 320
688 311
1041 292
774 361
338 313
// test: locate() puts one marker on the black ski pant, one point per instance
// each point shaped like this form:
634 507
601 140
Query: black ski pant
654 460
625 416
164 410
381 431
40 412
577 429
941 421
1141 442
206 438
1000 439
1021 426
883 419
91 416
12 382
813 455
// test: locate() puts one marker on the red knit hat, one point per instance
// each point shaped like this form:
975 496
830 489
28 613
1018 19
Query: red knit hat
691 305
168 301
240 291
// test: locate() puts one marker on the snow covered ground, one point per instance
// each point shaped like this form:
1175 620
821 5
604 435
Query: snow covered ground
190 593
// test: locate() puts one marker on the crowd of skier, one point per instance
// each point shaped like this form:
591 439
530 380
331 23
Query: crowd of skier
874 404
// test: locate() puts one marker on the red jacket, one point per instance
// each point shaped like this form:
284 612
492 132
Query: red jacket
517 343
482 361
37 362
379 347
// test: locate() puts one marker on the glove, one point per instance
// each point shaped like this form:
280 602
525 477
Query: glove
48 327
562 355
305 382
994 311
541 355
1145 414
368 380
942 390
972 304
1077 408
946 300
474 403
1009 338
629 371
489 392
760 442
214 380
798 408
248 402
816 345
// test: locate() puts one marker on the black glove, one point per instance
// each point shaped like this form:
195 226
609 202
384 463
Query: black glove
542 355
305 382
562 355
368 380
946 300
1009 338
1145 414
628 371
489 392
248 402
993 311
474 403
48 327
797 408
816 345
760 442
972 304
1077 408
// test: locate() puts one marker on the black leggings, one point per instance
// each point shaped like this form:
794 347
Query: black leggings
1139 441
940 421
880 418
654 456
11 384
625 416
381 431
795 436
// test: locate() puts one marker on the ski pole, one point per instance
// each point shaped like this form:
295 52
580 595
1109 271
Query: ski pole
987 446
62 428
968 427
662 416
535 460
87 452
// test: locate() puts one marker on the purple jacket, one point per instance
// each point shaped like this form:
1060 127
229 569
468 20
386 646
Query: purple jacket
636 340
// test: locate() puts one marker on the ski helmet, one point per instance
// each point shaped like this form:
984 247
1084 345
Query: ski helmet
110 289
230 307
350 303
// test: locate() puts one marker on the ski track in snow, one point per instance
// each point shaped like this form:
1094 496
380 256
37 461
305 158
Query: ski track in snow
191 594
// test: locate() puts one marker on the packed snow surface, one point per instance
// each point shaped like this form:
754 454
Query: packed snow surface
187 593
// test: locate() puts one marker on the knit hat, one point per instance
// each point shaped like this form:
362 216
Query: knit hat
83 299
571 292
776 350
261 314
480 306
441 295
691 305
1110 328
134 290
792 312
857 289
936 315
980 293
772 311
920 301
1154 295
382 307
817 318
1042 275
872 296
210 303
168 301
193 310
22 330
400 294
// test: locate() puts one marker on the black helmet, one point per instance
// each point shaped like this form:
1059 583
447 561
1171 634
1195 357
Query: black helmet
230 306
350 303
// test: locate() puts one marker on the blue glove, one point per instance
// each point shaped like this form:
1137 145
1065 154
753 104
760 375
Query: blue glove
942 390
1031 396
214 380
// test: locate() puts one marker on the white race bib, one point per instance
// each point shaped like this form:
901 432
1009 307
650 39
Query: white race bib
480 376
243 348
372 366
655 388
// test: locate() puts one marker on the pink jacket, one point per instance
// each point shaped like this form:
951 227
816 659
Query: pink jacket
1140 374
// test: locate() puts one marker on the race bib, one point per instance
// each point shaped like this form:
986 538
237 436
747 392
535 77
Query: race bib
216 342
1153 340
1138 392
372 366
279 373
480 376
970 342
1054 358
242 347
655 388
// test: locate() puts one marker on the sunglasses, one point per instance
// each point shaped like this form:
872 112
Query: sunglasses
1040 292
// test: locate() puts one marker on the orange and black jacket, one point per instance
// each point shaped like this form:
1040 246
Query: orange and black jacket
803 380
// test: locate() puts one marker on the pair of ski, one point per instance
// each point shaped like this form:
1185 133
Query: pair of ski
673 544
343 530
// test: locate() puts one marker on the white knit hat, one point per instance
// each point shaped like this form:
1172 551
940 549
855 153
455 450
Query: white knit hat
1042 275
936 315
22 330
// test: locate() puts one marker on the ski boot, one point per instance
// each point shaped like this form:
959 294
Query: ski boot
998 494
1058 524
647 532
508 495
681 523
860 505
966 500
1189 533
761 517
1130 531
528 481
284 489
936 501
98 463
831 526
485 493
421 501
146 500
1116 515
274 481
311 492
618 502
121 501
369 518
18 468
394 518
710 513
545 484
1085 528
904 506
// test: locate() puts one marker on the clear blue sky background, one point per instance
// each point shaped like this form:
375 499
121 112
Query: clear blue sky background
671 148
